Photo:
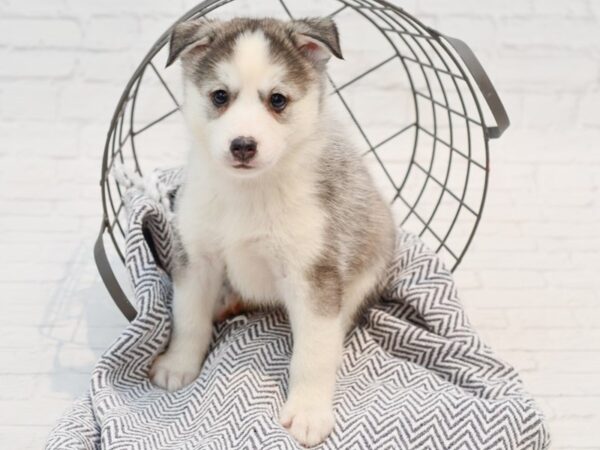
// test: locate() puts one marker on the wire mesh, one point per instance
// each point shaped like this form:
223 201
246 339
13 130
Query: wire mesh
403 91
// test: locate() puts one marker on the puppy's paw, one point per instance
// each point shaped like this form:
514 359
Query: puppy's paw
172 371
309 422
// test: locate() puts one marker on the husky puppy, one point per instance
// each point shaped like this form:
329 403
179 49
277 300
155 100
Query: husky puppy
275 201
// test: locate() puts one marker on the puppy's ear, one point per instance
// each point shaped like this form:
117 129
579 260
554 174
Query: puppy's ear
191 37
317 39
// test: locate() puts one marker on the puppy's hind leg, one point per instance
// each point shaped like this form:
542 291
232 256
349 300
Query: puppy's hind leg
318 334
196 290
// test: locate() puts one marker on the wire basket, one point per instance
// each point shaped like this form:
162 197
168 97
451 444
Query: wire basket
410 95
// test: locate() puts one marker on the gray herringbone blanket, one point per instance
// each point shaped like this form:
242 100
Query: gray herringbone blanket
415 374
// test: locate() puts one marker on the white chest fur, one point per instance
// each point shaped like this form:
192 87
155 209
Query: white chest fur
263 232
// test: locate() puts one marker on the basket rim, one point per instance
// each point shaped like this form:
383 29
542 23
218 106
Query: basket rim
205 7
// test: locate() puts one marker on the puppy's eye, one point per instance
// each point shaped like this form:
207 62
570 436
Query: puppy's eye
278 102
220 97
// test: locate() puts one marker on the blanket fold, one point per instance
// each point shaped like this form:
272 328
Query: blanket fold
415 375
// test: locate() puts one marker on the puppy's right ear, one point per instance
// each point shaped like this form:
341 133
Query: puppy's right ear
317 38
190 37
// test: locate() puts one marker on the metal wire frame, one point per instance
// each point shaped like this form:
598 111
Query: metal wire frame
421 52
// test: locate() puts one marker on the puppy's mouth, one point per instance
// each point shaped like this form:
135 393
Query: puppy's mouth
242 166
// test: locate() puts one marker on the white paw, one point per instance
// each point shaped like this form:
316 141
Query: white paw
172 371
309 422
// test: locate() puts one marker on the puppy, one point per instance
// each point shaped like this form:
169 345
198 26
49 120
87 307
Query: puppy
275 200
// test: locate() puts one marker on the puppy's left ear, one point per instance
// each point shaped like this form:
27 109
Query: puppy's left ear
190 37
317 38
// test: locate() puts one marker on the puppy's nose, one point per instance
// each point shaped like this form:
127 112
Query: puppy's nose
243 148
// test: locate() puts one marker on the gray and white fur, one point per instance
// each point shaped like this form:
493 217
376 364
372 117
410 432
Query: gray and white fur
276 201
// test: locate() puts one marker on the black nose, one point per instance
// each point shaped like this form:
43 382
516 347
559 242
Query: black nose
243 148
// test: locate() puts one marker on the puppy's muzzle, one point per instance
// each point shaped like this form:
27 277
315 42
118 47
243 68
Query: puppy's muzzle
243 149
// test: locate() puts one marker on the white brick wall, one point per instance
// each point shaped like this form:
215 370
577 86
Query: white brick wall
530 280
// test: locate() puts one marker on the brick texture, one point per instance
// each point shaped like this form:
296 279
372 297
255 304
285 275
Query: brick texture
529 281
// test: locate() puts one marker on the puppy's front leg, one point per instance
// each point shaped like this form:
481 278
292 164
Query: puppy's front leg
196 290
318 334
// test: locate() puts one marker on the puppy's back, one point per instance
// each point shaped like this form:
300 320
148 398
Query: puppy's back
360 224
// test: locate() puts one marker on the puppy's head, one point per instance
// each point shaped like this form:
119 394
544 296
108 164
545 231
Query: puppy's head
253 87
